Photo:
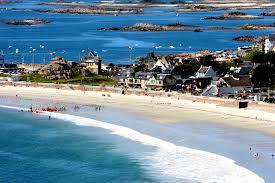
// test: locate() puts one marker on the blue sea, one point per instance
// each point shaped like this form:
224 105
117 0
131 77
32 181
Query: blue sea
106 145
72 35
34 149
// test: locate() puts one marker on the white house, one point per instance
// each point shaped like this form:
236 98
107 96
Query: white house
270 43
205 71
163 64
93 62
242 69
160 81
228 85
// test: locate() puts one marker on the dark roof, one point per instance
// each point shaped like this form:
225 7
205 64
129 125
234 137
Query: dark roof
203 69
126 74
143 75
271 37
163 76
240 81
91 56
151 57
244 71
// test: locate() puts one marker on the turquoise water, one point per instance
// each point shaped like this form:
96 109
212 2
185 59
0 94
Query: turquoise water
69 34
124 147
34 149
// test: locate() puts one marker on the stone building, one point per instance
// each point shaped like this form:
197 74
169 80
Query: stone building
92 62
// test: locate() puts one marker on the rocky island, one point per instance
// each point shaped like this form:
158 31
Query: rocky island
235 15
94 10
9 1
152 27
250 39
257 26
197 8
272 13
183 27
34 21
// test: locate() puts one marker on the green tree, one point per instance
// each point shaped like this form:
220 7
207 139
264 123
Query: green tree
140 67
270 58
186 70
255 56
262 76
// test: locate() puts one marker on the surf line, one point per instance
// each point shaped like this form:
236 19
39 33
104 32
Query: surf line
170 159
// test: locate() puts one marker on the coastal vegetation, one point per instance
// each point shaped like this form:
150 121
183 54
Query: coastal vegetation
264 63
77 79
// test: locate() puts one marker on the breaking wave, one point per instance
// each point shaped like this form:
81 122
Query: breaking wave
171 160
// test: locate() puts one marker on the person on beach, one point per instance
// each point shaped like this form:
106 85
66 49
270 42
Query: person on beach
50 117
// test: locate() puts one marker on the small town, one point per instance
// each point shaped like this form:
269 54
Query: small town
137 91
244 74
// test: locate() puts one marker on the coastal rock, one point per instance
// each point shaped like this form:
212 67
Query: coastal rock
58 69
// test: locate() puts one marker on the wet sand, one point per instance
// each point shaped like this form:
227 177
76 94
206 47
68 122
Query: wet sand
161 109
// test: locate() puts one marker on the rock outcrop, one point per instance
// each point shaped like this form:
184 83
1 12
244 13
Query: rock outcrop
58 69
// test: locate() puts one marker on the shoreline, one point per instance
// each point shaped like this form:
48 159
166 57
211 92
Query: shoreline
161 109
232 167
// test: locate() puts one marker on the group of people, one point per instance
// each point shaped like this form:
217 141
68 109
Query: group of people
257 155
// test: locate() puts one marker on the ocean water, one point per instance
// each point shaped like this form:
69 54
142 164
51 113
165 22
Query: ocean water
108 146
34 149
69 34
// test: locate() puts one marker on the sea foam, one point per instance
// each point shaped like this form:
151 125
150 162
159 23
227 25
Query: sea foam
172 160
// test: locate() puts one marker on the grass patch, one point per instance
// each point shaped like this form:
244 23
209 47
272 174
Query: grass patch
4 75
35 77
94 80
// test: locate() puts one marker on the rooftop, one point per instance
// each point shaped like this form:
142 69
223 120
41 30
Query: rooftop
203 69
271 37
240 81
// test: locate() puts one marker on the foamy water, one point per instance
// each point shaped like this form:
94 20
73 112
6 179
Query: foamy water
171 160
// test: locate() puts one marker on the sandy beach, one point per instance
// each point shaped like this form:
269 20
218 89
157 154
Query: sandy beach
161 109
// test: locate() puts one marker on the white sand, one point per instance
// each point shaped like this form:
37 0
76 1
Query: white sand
159 109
